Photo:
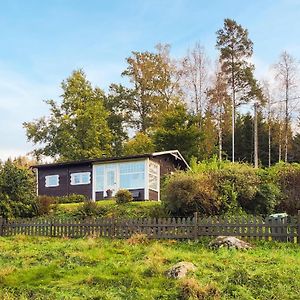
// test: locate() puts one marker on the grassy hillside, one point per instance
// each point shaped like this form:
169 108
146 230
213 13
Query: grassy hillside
45 268
109 208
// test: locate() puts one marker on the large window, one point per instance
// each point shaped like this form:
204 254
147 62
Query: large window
99 174
132 175
51 180
153 176
80 178
127 175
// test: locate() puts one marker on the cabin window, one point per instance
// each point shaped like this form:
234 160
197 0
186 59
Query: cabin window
153 176
99 174
80 178
132 175
51 180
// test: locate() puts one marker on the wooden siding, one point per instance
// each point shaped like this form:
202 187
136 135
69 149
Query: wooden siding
101 195
167 163
65 188
153 195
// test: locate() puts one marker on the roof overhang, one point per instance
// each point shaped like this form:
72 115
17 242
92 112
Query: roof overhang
175 153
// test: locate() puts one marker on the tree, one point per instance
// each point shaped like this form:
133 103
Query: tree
155 87
77 128
119 116
219 103
244 138
140 144
179 130
195 73
267 96
209 136
296 148
235 50
286 74
17 190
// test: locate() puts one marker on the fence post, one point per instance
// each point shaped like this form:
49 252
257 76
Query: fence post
298 227
195 225
1 225
51 227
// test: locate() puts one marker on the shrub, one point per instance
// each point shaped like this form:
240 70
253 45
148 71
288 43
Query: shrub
73 198
287 177
239 182
87 209
123 196
17 191
44 204
186 193
223 188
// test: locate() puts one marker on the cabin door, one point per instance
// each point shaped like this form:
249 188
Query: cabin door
111 182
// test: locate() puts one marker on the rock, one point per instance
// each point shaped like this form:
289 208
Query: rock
180 270
229 242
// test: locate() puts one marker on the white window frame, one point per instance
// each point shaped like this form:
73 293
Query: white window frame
117 164
154 174
130 173
81 176
48 178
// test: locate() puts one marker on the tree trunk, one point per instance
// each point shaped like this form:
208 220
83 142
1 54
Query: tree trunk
220 132
286 121
233 112
255 137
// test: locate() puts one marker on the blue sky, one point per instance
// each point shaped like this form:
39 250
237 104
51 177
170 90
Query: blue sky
43 41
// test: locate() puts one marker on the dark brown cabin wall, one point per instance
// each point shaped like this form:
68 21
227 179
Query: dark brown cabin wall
60 190
153 195
101 195
141 193
65 188
166 164
82 189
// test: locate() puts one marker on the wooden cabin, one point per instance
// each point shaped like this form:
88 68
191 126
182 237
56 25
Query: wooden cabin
101 178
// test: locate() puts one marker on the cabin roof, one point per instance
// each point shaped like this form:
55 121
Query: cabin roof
175 153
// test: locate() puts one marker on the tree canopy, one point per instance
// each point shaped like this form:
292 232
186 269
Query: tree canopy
182 103
77 127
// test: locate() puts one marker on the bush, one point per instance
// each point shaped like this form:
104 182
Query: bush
123 196
222 188
241 187
88 209
287 178
17 191
73 198
44 204
186 193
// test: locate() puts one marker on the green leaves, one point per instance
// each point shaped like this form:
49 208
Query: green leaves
179 131
235 50
17 190
78 127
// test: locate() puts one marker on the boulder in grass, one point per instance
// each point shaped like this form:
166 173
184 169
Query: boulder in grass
230 242
180 270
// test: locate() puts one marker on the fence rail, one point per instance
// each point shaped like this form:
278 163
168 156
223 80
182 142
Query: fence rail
285 229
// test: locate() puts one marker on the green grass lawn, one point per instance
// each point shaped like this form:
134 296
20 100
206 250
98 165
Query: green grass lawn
51 268
109 208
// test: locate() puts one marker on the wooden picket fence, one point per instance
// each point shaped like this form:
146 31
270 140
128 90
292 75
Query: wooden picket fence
286 229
